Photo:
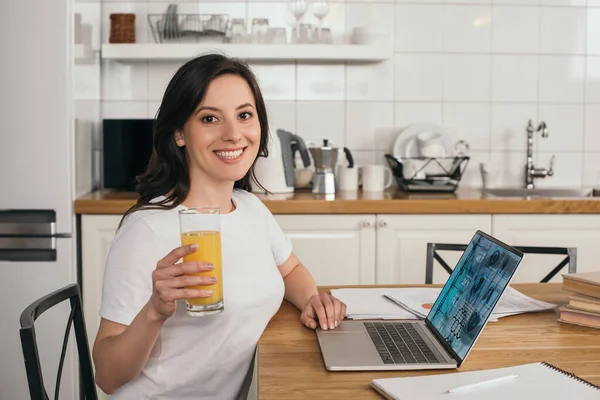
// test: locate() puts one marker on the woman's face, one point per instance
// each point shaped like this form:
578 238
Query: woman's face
222 137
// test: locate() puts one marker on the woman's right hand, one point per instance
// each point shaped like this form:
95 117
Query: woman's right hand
169 282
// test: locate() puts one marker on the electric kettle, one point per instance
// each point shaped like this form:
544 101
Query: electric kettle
275 173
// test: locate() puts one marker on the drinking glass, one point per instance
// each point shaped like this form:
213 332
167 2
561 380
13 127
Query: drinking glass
202 226
320 9
298 9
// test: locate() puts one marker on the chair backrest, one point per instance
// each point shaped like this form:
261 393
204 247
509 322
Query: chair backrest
35 380
433 248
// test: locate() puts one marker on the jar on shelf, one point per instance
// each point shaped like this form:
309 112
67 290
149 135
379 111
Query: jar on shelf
259 30
122 28
238 30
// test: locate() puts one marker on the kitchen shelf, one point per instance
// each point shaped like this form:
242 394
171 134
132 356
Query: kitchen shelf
250 52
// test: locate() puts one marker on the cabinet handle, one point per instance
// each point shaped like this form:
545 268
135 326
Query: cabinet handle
366 224
383 224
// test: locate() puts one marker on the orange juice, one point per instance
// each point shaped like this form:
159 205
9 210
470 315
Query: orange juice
209 251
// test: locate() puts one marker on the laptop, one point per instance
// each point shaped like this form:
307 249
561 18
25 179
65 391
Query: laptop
444 339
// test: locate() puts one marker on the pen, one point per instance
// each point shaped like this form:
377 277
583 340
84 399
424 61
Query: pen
414 312
465 388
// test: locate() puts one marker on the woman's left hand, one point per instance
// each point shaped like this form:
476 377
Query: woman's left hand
325 309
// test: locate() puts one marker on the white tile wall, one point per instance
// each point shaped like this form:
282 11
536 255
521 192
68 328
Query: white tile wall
467 29
592 128
277 81
515 29
480 68
419 27
467 77
592 90
514 78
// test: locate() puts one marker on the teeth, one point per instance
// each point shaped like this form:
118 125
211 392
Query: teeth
229 154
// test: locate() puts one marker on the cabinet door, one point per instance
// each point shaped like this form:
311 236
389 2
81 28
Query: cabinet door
97 233
336 249
402 244
560 230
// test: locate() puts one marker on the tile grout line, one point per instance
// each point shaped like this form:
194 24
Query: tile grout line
537 118
345 86
585 84
491 93
443 63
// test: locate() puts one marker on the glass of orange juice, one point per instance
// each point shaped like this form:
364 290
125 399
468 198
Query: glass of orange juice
202 226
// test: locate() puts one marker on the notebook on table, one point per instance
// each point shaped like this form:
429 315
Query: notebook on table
528 381
587 283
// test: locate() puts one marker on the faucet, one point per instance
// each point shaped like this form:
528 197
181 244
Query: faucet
530 171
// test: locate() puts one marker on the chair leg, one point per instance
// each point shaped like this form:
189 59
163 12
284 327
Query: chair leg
555 270
429 263
572 251
33 368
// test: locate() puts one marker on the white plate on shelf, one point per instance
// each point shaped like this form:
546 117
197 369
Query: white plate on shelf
406 142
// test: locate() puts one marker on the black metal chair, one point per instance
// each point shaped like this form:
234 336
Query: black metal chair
35 380
433 248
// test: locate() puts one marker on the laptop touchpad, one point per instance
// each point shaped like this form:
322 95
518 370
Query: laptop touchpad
348 349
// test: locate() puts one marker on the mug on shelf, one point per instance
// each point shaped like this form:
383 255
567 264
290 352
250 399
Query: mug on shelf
348 179
376 178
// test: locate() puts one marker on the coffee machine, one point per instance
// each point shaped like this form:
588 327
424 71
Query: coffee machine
325 159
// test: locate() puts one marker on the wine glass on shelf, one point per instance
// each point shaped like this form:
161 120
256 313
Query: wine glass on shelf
320 9
298 9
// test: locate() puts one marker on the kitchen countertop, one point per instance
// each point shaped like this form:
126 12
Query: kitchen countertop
464 201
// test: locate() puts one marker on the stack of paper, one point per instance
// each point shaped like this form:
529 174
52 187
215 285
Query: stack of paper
415 303
369 303
420 300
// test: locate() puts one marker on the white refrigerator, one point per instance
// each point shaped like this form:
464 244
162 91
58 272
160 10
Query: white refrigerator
36 173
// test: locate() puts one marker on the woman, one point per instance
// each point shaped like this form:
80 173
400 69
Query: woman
209 131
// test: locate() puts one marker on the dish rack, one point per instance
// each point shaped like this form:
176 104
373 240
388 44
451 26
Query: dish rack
173 27
428 174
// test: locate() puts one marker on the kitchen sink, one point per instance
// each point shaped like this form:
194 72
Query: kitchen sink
542 192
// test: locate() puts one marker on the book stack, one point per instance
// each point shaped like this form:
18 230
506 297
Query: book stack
584 302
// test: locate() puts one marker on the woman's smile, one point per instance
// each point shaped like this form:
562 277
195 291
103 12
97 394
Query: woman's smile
230 156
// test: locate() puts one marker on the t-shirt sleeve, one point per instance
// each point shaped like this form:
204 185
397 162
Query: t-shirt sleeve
127 285
280 243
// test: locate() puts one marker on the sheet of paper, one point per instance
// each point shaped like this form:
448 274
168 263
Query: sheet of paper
369 303
513 302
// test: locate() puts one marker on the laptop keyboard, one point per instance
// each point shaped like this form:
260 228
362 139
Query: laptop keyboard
400 343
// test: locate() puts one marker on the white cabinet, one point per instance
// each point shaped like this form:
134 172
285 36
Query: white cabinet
580 231
382 249
97 233
336 249
402 244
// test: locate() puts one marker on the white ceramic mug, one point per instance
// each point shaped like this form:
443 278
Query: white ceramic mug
347 179
374 178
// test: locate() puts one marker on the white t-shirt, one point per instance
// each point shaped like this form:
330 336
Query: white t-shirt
198 357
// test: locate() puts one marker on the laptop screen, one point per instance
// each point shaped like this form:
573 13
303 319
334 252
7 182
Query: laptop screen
472 291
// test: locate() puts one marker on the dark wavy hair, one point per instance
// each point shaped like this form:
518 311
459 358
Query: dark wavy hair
167 172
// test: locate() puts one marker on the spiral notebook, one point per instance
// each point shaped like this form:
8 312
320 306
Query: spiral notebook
532 381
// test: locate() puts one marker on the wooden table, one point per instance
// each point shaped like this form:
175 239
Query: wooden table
290 365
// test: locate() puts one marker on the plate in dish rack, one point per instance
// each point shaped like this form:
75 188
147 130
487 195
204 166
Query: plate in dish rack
406 143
